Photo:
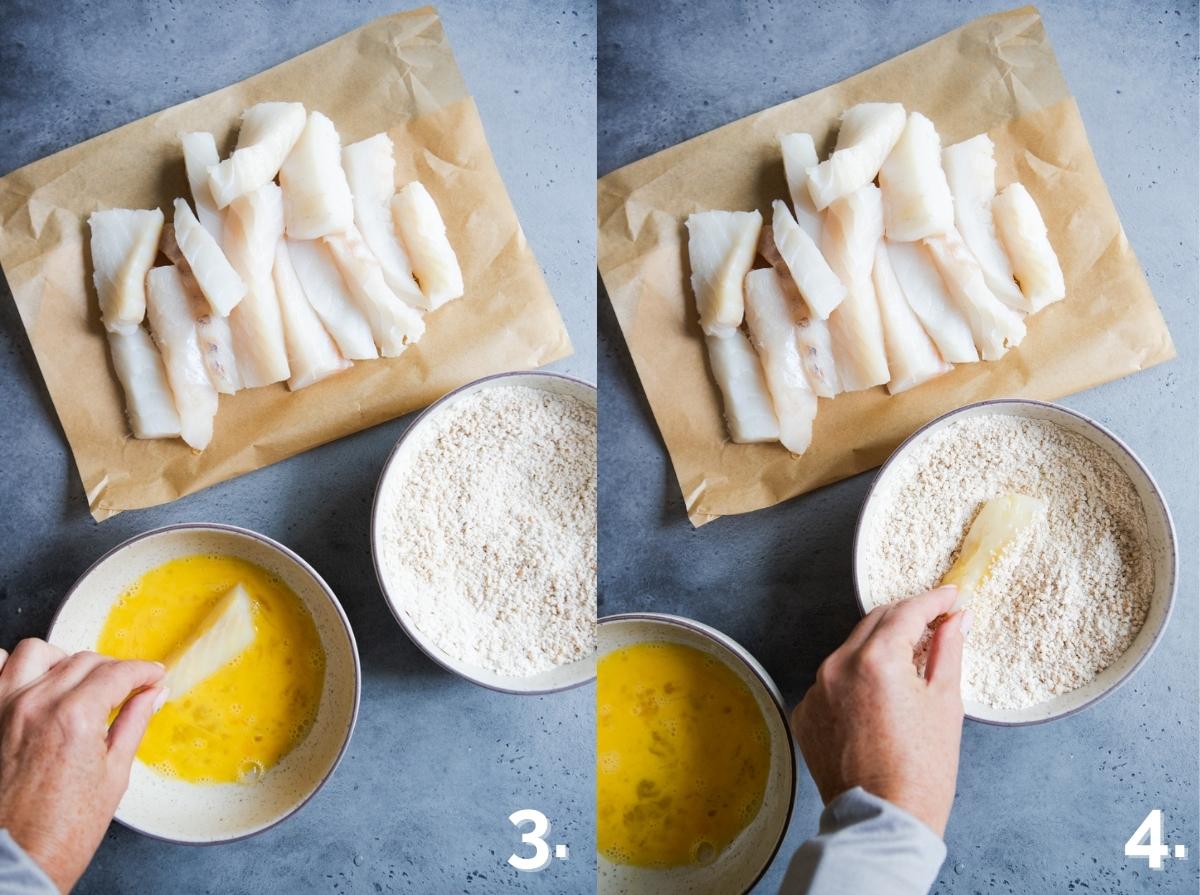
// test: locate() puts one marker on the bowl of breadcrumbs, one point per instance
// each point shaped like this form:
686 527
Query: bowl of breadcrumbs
1076 604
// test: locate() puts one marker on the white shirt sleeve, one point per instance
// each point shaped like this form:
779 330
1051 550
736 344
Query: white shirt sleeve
19 873
866 846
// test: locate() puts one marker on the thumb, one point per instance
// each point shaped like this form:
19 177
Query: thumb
126 732
943 667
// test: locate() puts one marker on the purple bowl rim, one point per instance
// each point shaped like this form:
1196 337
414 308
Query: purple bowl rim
375 559
304 565
1154 488
763 676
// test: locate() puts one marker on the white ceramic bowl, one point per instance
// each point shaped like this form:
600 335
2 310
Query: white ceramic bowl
1162 544
172 809
564 677
742 865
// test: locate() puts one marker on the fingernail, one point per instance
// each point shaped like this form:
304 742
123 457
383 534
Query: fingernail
953 587
967 618
163 695
161 665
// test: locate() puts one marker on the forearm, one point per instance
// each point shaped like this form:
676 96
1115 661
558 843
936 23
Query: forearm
19 873
866 845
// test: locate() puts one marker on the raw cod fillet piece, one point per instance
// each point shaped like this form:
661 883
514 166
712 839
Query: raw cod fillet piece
267 135
912 357
218 281
226 632
123 245
169 310
721 251
812 333
916 196
253 228
749 413
994 326
200 154
149 403
312 355
394 324
316 196
800 154
995 529
971 171
930 300
867 135
1024 234
216 339
371 171
820 286
423 234
853 227
327 294
770 318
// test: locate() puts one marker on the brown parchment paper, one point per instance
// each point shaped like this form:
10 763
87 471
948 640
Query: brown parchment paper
996 74
396 74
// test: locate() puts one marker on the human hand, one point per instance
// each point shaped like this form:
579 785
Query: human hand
63 769
870 720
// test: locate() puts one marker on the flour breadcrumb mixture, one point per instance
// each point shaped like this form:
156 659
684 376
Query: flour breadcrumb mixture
489 540
1067 599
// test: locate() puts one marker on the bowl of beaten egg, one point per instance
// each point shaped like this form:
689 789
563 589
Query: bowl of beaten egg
695 769
246 746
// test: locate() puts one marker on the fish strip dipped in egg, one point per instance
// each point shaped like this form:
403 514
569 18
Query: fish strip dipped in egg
123 244
267 135
771 320
867 134
971 171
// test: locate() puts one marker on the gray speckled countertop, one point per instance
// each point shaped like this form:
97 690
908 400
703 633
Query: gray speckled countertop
420 804
1039 809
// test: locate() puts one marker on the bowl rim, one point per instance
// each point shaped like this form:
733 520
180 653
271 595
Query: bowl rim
415 636
755 668
1172 545
329 594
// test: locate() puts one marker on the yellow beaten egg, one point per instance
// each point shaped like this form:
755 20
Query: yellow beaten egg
682 756
241 721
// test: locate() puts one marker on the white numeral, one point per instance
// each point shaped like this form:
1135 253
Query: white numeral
535 837
1150 829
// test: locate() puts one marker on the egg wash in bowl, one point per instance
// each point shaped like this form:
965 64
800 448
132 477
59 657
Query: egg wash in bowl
253 729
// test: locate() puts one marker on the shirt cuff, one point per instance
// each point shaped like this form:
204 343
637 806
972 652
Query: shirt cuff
19 873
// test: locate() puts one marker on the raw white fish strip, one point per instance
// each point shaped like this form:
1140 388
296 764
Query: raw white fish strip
721 250
916 197
267 135
216 277
316 196
912 357
927 295
971 171
995 326
770 317
224 634
800 154
813 276
812 333
394 324
123 245
216 338
149 403
423 234
312 355
371 172
169 311
867 135
853 228
253 228
749 413
200 154
327 294
1024 234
